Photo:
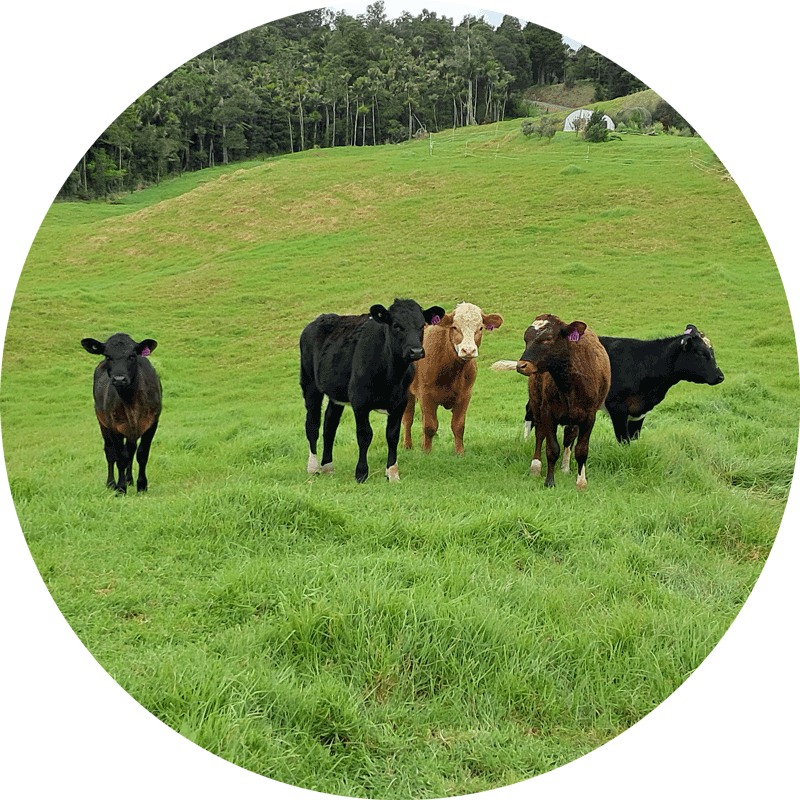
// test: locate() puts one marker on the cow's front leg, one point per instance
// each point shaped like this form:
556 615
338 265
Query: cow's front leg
536 462
553 451
111 459
392 439
457 424
121 458
142 454
364 439
430 422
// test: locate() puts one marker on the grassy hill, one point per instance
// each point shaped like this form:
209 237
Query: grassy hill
465 628
579 95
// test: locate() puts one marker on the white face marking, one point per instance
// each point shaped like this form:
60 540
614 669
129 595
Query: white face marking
538 324
707 342
468 318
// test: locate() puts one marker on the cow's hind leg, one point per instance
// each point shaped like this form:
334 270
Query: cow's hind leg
313 401
582 452
333 413
570 434
553 452
364 438
142 456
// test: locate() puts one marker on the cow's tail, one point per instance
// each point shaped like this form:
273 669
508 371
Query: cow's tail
503 366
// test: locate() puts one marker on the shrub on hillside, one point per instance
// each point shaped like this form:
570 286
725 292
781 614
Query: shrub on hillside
669 117
596 130
636 118
543 128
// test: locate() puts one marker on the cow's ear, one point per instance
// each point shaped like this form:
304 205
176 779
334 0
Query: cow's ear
93 346
574 330
492 321
433 311
379 314
445 322
146 344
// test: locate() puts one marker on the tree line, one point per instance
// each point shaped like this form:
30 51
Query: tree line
325 79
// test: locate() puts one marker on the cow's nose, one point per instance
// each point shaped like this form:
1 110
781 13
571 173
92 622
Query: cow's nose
118 379
416 353
524 367
469 352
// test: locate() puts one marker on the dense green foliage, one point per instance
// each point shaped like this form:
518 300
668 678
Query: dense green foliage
596 130
320 79
465 628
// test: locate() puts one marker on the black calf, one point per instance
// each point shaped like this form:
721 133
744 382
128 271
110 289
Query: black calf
127 401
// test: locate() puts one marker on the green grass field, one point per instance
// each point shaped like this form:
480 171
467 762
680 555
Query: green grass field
466 628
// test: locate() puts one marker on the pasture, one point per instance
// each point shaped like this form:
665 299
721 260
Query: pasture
465 628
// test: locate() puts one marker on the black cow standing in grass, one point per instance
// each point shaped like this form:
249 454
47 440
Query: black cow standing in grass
364 361
643 371
127 401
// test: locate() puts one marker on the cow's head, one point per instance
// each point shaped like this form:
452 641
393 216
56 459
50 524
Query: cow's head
405 321
695 360
121 357
547 342
465 327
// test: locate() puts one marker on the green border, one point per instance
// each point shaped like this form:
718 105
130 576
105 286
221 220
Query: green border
70 70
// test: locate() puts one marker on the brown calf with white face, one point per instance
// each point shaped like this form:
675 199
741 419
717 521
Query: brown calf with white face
446 375
569 375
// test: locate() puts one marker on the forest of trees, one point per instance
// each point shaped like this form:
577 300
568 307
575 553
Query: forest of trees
319 79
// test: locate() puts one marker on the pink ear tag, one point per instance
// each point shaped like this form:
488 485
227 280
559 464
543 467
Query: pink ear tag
435 319
490 327
146 351
574 336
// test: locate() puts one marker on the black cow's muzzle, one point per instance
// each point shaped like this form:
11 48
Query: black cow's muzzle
415 354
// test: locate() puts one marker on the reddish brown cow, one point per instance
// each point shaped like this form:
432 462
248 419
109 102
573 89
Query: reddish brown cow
446 375
569 375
